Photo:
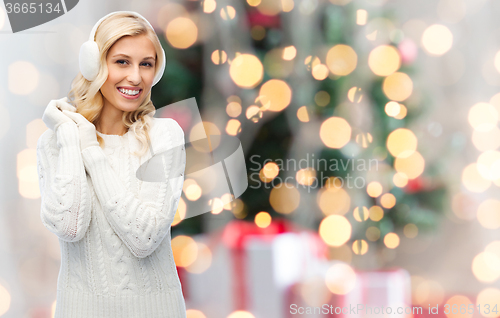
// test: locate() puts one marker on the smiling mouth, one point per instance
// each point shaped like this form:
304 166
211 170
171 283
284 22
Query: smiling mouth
129 92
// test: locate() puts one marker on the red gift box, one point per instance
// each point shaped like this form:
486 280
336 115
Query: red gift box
252 268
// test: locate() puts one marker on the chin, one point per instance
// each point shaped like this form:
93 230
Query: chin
128 108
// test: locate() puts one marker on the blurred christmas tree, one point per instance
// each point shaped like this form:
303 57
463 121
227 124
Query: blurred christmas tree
348 69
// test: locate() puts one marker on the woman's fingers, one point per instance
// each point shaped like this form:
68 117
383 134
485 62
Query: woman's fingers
77 118
63 104
72 115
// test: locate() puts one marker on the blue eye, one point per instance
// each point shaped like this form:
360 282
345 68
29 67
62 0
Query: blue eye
148 64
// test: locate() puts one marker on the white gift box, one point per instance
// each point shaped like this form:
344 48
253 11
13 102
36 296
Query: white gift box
380 294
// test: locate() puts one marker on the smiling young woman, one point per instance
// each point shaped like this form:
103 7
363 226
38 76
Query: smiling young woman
114 229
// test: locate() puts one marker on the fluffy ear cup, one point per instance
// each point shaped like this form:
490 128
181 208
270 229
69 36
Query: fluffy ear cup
89 53
89 60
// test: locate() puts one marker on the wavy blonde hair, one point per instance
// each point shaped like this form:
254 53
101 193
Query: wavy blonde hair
86 95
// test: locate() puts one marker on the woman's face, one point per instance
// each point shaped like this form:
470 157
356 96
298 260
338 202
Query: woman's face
131 69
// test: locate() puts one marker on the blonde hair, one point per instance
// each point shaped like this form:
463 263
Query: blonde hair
86 95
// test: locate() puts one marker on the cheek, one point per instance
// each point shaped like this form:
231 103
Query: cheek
113 76
108 90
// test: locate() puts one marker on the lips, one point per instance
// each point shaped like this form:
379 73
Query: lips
128 96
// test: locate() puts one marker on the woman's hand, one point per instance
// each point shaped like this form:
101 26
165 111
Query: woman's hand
63 104
87 130
53 116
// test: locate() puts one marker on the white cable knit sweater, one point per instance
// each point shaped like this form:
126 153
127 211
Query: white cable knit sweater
113 229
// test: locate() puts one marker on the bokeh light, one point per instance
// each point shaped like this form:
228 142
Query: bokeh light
437 39
488 164
391 240
355 94
22 77
180 214
483 116
372 233
333 200
490 296
403 111
306 176
402 143
27 174
427 291
314 291
335 230
275 95
184 249
246 70
340 279
486 140
410 230
241 314
228 13
203 259
270 170
361 16
360 247
289 53
209 6
181 32
374 189
376 213
253 113
219 57
486 267
384 60
233 109
262 219
392 108
458 302
472 179
233 127
335 132
5 300
388 200
397 86
360 214
488 214
400 180
284 198
412 166
322 98
193 313
320 72
302 114
341 59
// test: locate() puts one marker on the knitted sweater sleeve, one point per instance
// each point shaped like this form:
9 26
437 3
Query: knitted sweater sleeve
141 221
65 198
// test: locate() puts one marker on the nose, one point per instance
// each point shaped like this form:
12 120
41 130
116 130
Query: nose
134 75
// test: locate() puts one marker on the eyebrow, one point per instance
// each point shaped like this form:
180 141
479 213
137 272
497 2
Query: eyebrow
124 55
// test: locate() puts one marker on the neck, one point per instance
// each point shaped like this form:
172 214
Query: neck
110 121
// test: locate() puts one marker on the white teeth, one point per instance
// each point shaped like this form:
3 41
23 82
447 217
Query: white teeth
128 92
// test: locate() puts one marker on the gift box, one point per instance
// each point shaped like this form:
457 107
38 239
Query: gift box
380 293
252 268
